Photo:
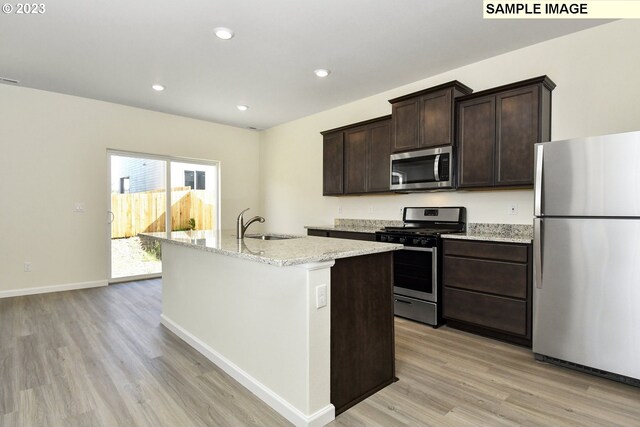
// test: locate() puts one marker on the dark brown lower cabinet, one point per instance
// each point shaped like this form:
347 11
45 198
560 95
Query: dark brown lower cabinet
362 343
487 288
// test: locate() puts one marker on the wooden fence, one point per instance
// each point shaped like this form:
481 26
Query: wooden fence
145 211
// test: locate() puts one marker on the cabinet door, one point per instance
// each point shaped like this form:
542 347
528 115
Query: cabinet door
476 144
378 168
332 164
355 160
405 116
518 121
436 126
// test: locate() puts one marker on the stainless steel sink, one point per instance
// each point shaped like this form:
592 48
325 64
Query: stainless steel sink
270 236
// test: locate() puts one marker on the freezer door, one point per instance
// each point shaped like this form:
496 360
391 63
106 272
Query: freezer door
596 176
586 305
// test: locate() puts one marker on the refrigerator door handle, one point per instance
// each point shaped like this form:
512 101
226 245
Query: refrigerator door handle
537 186
537 251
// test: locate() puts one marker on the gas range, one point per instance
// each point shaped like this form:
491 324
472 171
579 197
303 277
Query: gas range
417 277
423 226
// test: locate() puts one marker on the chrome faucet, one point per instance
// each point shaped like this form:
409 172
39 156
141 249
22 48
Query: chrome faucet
242 227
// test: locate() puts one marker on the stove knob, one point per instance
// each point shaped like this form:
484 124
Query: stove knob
416 241
402 240
390 239
424 242
383 238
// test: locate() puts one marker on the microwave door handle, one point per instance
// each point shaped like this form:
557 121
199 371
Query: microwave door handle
436 168
399 176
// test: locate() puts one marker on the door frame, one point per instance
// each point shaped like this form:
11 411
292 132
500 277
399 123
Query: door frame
168 160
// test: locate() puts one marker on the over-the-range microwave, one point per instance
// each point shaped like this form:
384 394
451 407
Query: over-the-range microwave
422 169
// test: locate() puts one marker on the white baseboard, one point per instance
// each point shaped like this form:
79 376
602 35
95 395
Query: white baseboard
53 288
320 418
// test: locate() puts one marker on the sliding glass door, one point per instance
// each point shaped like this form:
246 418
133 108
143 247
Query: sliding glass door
159 194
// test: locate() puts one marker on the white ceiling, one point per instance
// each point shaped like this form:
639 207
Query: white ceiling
114 50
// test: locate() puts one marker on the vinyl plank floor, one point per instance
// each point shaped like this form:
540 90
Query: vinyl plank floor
99 357
452 378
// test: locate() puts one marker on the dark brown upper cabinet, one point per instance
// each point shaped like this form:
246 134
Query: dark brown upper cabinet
332 163
356 158
425 119
497 130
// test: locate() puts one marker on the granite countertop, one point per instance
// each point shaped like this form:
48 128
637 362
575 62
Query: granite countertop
298 250
357 225
511 233
350 228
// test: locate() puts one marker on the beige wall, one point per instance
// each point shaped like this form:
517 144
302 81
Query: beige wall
597 89
53 153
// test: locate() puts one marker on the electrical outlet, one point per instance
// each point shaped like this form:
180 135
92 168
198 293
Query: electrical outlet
340 209
512 209
27 267
321 296
371 210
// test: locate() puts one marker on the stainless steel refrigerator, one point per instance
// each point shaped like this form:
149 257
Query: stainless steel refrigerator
586 307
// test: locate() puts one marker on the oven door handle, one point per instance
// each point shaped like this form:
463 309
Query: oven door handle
411 248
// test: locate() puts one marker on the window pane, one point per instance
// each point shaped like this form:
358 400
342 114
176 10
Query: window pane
188 179
200 180
124 185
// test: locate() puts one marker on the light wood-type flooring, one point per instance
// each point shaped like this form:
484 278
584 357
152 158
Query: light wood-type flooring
99 357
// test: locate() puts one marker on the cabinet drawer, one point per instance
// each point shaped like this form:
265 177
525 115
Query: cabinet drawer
319 233
496 277
500 313
496 251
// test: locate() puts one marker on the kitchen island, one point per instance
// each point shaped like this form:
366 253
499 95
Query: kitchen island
304 323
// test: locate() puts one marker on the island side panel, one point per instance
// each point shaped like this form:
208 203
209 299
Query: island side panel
260 318
362 328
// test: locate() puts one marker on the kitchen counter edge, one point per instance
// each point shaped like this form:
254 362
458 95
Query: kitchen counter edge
489 237
347 228
280 253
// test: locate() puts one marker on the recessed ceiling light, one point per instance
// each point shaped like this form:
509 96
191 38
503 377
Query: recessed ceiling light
322 72
223 33
157 87
242 107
